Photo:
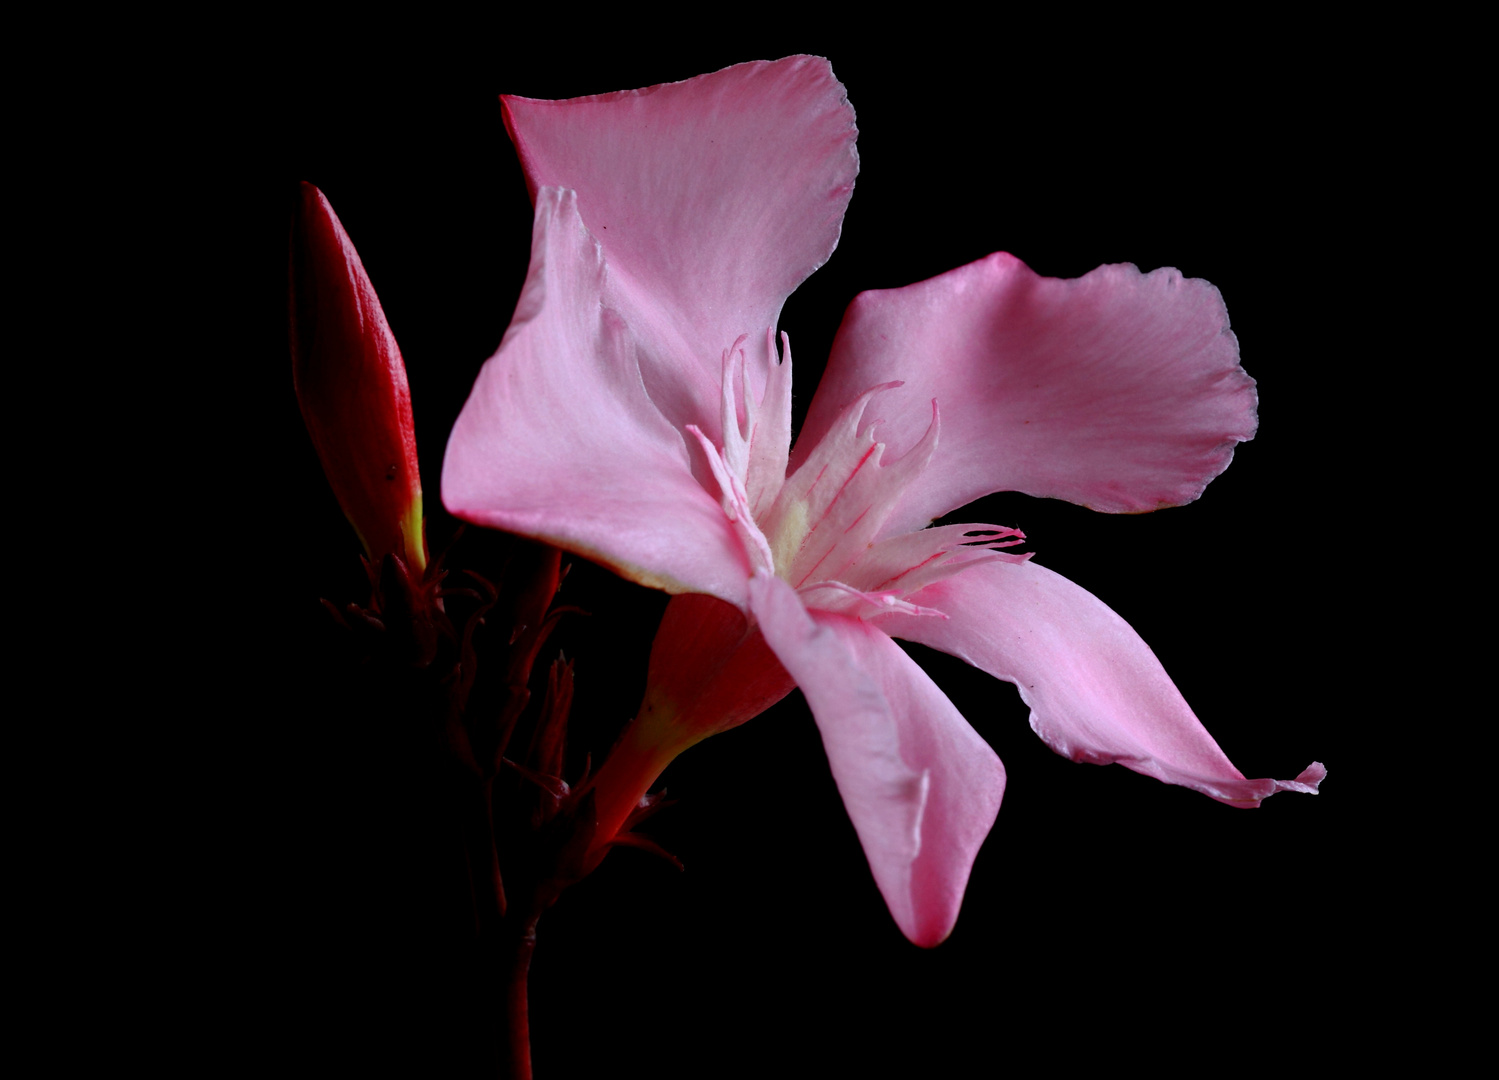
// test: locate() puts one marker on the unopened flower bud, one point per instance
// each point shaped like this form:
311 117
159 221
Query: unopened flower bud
351 385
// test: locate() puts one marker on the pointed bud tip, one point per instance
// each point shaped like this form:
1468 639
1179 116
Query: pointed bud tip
351 384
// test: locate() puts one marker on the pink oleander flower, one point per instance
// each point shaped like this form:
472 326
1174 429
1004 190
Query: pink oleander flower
351 385
638 413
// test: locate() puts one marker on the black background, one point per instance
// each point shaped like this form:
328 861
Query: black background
1108 914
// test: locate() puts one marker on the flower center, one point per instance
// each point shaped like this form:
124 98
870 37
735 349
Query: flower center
789 534
819 529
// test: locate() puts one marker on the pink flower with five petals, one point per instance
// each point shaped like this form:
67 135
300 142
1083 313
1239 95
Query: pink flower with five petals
638 413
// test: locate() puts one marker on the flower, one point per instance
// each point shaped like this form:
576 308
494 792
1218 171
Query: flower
351 385
638 413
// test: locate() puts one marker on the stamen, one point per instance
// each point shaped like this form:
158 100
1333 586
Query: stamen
735 435
736 506
840 597
817 528
907 563
829 512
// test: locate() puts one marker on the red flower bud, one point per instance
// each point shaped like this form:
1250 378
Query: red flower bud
351 385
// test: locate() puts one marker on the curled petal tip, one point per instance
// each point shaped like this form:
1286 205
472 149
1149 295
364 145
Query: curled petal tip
1097 693
1250 794
1310 777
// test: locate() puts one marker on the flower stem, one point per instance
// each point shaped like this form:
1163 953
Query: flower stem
517 1017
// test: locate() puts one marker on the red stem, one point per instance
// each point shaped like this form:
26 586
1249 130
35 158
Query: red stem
517 1017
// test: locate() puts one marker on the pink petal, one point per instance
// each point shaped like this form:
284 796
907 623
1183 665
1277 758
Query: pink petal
1096 691
921 788
1118 390
559 441
713 199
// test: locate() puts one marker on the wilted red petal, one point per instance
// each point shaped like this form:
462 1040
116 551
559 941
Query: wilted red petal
351 385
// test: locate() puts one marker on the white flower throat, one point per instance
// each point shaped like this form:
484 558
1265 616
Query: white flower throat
819 528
